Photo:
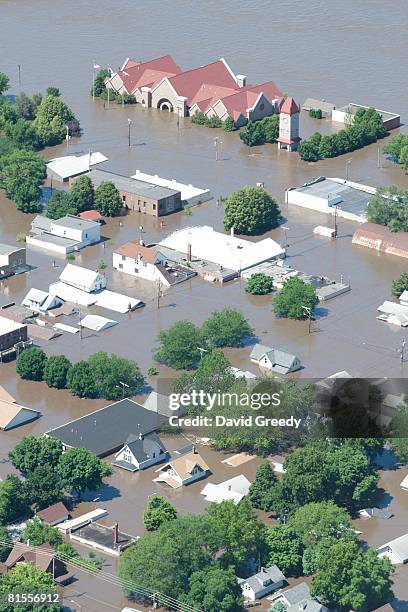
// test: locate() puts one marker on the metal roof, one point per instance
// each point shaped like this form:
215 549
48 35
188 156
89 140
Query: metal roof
347 198
107 429
7 249
131 185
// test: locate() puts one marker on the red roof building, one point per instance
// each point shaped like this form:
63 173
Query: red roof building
91 215
55 514
289 106
135 75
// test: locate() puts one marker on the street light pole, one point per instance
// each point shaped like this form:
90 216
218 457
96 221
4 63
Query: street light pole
123 385
348 162
308 310
129 124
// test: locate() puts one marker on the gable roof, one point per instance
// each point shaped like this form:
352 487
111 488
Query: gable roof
134 250
23 553
289 106
77 275
267 573
278 357
54 513
201 83
296 593
135 75
6 396
245 98
142 447
106 430
185 464
233 489
9 411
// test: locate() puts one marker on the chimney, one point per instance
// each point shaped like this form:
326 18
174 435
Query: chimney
241 80
189 252
232 232
115 533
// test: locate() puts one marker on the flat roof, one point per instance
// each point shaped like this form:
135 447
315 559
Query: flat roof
70 165
7 249
222 249
52 239
352 108
187 191
131 185
74 222
348 198
7 325
107 429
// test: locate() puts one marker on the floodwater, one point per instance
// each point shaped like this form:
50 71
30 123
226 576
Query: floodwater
341 52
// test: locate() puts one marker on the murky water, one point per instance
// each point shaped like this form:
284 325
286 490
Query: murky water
338 51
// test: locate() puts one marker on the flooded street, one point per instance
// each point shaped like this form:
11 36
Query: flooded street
340 52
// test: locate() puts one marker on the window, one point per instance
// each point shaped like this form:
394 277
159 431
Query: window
261 106
123 257
136 270
123 198
144 204
154 206
138 202
121 266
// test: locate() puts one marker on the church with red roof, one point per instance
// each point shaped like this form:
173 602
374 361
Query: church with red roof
212 89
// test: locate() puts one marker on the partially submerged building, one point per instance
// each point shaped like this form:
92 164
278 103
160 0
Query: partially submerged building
40 301
347 199
298 599
395 550
63 236
394 313
41 557
71 166
13 415
274 359
264 582
346 114
216 256
54 514
234 489
13 337
140 452
12 260
106 430
140 196
183 470
323 105
189 194
381 239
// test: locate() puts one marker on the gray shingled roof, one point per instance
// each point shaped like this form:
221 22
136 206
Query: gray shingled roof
106 430
281 359
131 185
142 448
297 593
267 573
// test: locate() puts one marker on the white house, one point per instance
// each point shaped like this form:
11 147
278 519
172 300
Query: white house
277 462
276 360
298 599
40 301
63 235
140 452
84 279
396 550
183 470
233 489
266 581
397 314
141 261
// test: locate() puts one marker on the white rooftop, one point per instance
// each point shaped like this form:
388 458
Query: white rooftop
72 294
71 165
396 550
227 251
117 301
233 489
395 311
78 275
97 323
187 191
7 326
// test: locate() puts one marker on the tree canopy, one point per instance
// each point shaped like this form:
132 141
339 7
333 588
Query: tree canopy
285 549
158 511
31 363
294 298
226 327
261 490
251 211
56 371
32 452
79 469
215 589
179 345
13 500
38 533
389 207
28 578
259 284
399 285
107 199
397 149
21 173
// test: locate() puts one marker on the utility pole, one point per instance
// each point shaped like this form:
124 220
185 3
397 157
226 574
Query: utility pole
402 351
335 221
378 158
80 323
19 77
159 293
122 386
348 162
308 310
217 142
129 124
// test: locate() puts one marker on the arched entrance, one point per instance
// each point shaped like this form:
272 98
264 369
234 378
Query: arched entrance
165 105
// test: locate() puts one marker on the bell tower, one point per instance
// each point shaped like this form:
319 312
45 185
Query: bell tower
289 125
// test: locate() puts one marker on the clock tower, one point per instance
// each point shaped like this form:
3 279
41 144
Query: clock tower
289 125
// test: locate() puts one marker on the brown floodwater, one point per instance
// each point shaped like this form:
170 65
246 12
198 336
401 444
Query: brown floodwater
341 52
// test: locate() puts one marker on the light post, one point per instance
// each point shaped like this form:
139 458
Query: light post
308 311
348 162
129 124
217 142
286 229
122 385
202 351
95 66
67 134
141 230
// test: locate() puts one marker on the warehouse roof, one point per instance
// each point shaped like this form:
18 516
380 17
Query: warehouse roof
71 165
350 197
107 429
131 185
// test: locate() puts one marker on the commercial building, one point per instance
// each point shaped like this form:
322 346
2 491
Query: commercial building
347 199
345 115
106 430
64 235
71 166
149 264
326 107
140 196
190 195
213 89
12 335
12 260
381 239
216 256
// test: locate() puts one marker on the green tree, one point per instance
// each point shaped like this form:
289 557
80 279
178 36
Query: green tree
4 83
278 607
59 205
270 126
52 117
226 327
214 122
262 487
108 371
252 134
13 500
214 374
27 578
53 91
215 589
318 520
404 157
327 147
294 297
229 125
309 148
99 83
239 533
399 285
37 533
158 511
165 559
31 363
107 199
5 544
179 346
32 452
79 469
82 193
56 371
259 284
394 147
80 380
24 106
43 487
284 549
199 118
21 173
251 211
22 135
